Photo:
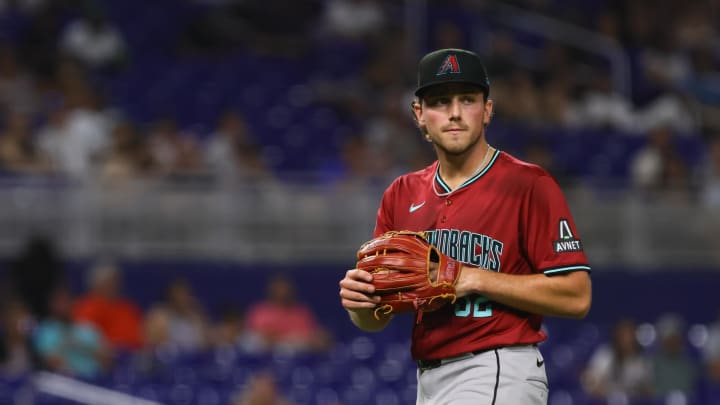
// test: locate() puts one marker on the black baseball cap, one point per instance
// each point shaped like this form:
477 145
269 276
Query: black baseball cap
451 66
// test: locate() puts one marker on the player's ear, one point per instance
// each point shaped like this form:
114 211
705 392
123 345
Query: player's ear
488 112
416 109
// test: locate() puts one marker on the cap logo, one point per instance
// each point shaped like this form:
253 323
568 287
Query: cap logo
449 65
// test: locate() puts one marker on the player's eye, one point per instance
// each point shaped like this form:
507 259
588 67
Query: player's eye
467 99
439 101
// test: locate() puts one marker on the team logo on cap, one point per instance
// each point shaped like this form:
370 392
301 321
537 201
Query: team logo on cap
449 65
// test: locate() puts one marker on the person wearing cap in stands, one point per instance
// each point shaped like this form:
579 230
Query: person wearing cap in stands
506 220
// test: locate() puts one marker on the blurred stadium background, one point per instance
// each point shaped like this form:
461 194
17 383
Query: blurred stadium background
223 142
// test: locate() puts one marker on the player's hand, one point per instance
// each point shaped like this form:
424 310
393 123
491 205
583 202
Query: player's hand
356 290
469 281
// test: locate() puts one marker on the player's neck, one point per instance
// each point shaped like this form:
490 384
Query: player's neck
456 169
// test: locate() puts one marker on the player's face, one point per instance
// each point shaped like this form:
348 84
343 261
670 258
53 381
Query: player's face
454 116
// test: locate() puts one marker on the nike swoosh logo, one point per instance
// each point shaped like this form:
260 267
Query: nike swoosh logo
540 362
414 207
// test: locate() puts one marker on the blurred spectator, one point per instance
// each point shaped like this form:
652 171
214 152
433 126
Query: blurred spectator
356 164
78 130
380 71
673 369
657 166
53 139
669 110
176 152
555 61
16 355
556 104
501 59
282 322
69 347
253 167
352 92
522 100
620 367
704 85
636 24
695 24
231 132
128 157
711 352
118 318
230 330
391 132
677 185
261 390
229 327
34 273
94 41
17 90
709 174
25 6
19 153
602 106
179 321
674 43
664 64
231 152
608 24
354 19
38 45
647 164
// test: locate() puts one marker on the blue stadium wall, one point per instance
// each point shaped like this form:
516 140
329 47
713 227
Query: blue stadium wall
617 292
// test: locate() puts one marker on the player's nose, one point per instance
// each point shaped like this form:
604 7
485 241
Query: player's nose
455 110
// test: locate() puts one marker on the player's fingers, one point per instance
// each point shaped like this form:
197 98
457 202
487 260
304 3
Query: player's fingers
350 304
354 284
433 272
358 296
357 286
357 274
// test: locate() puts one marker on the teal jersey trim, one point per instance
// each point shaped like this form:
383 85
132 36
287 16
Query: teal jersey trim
566 269
470 180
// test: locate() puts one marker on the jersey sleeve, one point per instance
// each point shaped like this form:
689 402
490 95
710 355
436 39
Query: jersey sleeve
383 221
551 240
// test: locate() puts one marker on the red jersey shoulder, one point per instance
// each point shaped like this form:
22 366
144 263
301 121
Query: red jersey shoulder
520 170
399 194
415 179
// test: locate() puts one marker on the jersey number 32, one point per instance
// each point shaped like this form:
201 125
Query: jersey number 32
476 306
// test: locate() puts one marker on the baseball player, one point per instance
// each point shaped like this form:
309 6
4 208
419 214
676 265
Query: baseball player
509 225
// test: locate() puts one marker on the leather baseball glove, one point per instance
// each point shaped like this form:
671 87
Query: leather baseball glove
409 273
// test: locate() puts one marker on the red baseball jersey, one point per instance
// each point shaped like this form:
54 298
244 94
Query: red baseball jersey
511 217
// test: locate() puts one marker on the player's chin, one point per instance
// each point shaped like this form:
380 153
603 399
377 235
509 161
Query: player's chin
454 147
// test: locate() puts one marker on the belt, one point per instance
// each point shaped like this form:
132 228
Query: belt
424 365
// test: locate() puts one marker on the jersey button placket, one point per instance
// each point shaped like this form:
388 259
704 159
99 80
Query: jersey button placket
443 218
